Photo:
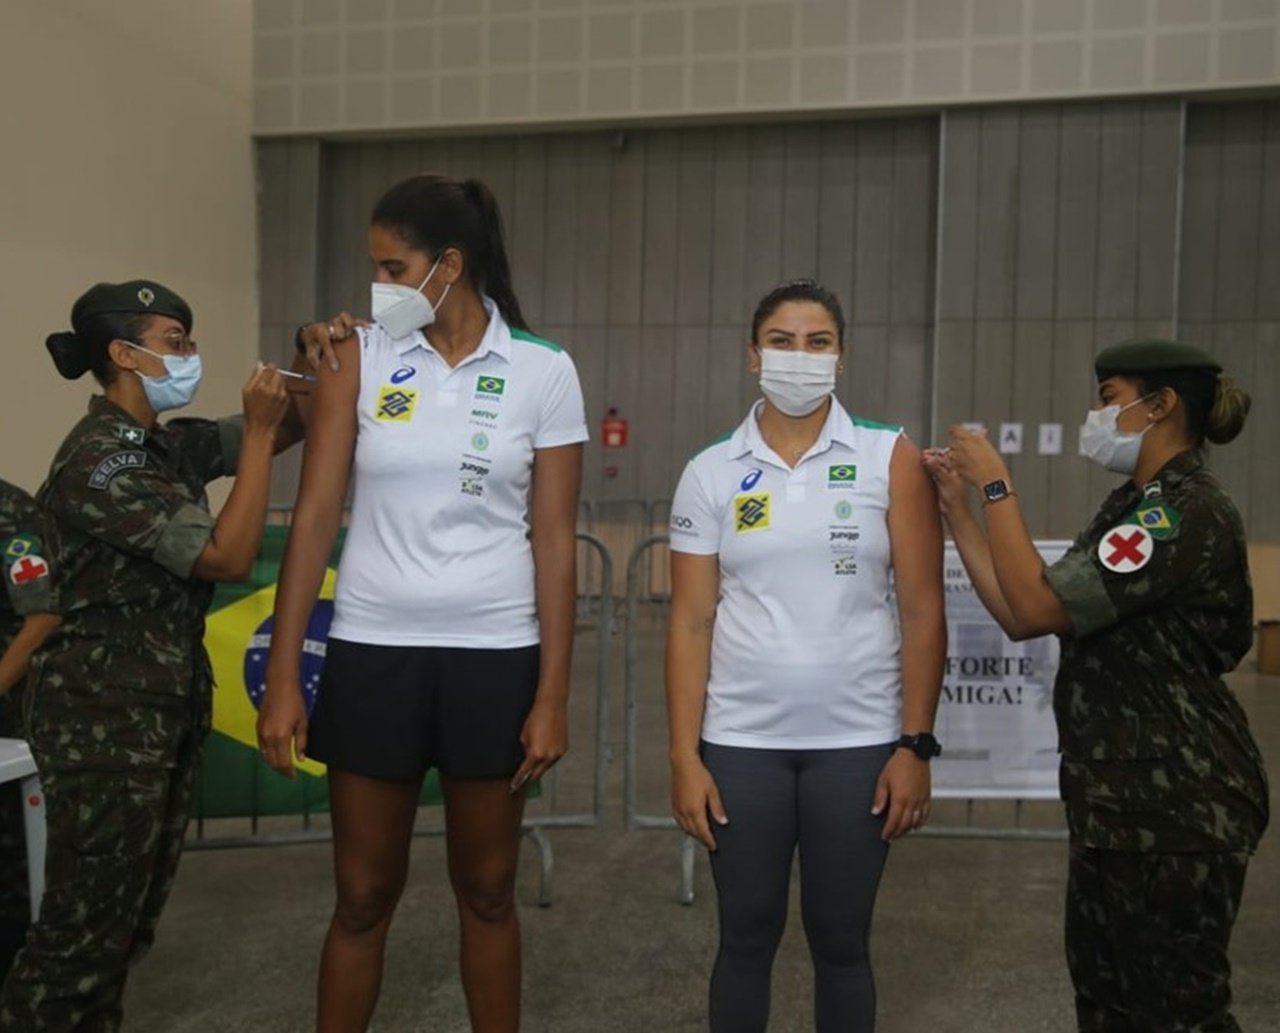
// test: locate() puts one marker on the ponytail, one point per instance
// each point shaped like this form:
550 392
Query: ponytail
497 279
431 212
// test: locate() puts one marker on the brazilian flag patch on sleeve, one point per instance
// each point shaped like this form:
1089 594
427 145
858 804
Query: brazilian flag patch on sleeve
1159 519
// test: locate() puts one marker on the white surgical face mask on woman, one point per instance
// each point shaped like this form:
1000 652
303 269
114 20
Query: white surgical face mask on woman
401 310
797 382
1102 440
179 384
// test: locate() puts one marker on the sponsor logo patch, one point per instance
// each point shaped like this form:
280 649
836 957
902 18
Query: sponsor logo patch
752 512
396 404
751 479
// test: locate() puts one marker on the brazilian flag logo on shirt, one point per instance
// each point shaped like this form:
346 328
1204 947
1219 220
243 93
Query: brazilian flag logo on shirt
842 476
490 385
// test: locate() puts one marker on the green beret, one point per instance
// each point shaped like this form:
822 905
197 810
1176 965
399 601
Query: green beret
1152 355
143 296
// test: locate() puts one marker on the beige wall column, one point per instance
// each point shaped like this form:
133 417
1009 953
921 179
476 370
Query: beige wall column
128 153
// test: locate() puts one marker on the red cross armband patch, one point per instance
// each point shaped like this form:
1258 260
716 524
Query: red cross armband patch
27 569
1126 549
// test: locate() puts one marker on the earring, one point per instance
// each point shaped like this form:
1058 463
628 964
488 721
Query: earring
839 367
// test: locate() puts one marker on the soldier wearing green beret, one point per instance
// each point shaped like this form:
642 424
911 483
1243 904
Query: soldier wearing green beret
1165 793
28 614
119 697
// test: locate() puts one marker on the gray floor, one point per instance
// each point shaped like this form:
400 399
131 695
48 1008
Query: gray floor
966 931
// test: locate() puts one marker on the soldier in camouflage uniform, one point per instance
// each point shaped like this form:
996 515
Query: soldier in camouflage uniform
1164 787
119 700
26 617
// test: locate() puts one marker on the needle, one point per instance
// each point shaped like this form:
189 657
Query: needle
308 377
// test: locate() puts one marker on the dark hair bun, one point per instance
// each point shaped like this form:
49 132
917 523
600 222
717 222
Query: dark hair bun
1231 405
69 354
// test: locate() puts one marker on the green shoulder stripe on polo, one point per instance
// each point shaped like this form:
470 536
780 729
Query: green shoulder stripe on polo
858 421
524 335
712 444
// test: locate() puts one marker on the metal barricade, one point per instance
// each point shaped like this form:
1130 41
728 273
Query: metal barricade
636 587
534 825
634 819
618 523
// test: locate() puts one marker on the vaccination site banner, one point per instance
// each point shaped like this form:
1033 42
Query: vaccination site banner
995 718
234 780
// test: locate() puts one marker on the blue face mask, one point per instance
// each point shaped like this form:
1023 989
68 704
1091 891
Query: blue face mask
179 384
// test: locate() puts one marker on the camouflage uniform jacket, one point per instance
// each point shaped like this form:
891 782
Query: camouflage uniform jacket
1156 751
27 581
128 518
28 585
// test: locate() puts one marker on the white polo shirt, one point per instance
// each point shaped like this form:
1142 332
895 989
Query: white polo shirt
806 648
437 552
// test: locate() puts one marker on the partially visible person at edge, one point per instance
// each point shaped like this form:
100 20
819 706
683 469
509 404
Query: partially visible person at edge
28 613
801 689
453 626
1164 787
118 700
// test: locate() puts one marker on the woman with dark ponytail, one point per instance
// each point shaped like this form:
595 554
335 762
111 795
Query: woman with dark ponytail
453 626
1165 792
119 698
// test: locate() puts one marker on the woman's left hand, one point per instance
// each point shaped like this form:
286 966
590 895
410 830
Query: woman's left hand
904 789
974 458
546 739
318 339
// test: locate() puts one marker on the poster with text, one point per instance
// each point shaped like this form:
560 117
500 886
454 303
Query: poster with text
995 717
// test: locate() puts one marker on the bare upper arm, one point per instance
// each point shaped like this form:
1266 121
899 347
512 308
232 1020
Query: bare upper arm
695 590
557 481
915 530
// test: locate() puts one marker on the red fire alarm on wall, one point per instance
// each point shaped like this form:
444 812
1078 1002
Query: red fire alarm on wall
613 430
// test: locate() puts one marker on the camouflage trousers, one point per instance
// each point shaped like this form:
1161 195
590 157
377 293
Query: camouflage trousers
114 840
1147 937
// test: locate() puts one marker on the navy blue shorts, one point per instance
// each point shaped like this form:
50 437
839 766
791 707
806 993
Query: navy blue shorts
395 711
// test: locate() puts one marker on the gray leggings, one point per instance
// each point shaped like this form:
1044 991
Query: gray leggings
776 800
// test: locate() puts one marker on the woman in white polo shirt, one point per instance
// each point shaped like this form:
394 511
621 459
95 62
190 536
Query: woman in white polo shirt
453 626
804 661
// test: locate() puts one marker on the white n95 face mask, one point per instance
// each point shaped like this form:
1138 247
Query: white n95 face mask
1102 441
797 382
401 310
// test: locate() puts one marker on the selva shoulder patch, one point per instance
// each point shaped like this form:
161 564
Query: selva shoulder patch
113 464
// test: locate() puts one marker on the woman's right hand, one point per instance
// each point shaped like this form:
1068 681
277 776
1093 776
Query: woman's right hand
695 799
953 490
265 399
282 726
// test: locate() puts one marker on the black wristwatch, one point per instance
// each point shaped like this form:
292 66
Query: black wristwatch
922 744
994 491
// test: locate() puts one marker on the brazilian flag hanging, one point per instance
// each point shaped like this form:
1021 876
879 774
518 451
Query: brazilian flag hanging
235 782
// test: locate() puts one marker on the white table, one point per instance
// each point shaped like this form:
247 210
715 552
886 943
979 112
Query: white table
17 765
